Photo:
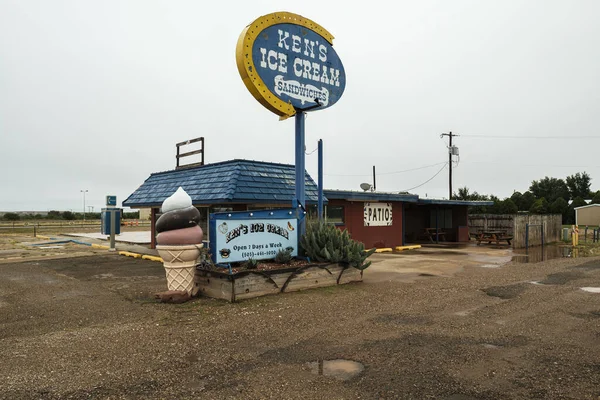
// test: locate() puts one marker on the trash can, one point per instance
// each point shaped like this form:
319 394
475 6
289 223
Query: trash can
105 220
566 236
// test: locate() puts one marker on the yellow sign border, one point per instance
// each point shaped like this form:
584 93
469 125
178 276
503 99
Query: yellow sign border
246 68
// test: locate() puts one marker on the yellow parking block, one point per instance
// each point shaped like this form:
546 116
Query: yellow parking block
130 254
411 247
43 237
152 258
384 250
99 246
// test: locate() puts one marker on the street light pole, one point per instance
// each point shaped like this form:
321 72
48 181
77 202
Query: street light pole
84 192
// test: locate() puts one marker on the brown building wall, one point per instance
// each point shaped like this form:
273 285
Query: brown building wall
588 215
371 236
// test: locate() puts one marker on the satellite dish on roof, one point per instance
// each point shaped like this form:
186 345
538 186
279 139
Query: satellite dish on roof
365 186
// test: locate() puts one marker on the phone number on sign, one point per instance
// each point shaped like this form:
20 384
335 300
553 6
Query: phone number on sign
251 254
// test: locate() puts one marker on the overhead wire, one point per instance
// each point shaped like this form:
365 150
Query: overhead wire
308 154
393 172
428 180
528 137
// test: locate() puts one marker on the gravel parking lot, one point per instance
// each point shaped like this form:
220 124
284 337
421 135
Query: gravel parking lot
87 326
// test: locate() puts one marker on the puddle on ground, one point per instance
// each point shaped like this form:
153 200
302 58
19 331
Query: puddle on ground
548 252
505 292
339 369
491 346
591 289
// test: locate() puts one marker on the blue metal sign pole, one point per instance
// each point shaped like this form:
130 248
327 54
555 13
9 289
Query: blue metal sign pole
320 204
300 201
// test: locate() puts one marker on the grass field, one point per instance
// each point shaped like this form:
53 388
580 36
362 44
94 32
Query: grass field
44 227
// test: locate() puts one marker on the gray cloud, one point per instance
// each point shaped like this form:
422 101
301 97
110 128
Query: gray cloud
94 95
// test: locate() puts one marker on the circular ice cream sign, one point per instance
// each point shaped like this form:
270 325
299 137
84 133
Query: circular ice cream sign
288 62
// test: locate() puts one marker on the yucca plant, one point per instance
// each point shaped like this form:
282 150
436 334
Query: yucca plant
284 256
251 263
325 243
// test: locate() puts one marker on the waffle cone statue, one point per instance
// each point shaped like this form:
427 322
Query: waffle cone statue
179 240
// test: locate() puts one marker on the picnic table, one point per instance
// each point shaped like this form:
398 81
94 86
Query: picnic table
433 234
497 235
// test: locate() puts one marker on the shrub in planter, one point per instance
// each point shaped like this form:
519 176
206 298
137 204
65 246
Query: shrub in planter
284 256
251 264
326 243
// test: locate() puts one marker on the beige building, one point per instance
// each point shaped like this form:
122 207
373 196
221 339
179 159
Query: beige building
145 214
588 215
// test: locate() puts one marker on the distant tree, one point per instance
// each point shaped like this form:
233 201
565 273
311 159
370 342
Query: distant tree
550 189
10 216
68 215
494 208
53 214
38 216
579 185
559 206
507 206
577 202
539 207
131 215
596 198
527 201
464 194
517 198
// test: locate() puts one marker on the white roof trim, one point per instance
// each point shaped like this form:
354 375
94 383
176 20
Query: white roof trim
589 205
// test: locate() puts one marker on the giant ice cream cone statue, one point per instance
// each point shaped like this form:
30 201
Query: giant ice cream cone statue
179 240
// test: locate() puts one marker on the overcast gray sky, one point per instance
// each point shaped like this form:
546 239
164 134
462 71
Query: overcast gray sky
95 94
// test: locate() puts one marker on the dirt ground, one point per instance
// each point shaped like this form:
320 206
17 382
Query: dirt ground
436 323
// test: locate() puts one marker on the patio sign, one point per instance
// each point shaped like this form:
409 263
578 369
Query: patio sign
288 62
260 235
378 214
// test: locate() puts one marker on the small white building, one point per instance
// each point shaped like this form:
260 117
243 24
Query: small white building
588 215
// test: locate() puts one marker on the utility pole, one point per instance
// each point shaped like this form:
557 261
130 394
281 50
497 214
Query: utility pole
374 185
450 153
84 192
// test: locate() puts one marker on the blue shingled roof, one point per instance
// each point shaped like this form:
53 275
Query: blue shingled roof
235 181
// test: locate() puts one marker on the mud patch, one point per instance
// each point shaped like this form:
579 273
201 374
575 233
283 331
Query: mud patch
589 266
588 315
505 292
561 278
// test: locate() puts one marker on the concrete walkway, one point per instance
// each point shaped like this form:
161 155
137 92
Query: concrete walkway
140 237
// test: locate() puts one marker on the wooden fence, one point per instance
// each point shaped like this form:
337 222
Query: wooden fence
515 225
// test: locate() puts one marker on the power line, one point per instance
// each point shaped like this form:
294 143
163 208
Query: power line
308 154
530 137
533 165
394 172
427 181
